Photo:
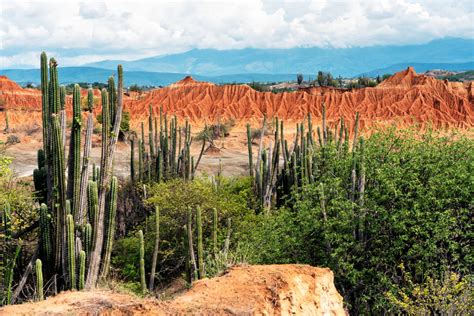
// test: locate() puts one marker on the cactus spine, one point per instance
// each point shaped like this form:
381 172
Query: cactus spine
200 248
71 252
82 269
142 261
155 251
39 280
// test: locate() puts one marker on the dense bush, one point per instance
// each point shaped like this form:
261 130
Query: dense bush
418 211
231 197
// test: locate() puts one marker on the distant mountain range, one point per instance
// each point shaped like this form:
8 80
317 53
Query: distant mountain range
271 65
347 62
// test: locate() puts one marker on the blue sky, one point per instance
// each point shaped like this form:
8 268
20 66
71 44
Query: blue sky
78 32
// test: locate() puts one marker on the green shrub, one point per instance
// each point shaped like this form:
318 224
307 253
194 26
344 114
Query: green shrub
418 211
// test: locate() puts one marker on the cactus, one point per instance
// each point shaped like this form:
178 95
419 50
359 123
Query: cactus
87 237
200 248
90 100
189 234
71 252
59 193
93 206
142 261
214 231
157 247
110 232
112 93
80 216
45 235
82 269
132 160
249 145
74 163
150 133
187 261
39 280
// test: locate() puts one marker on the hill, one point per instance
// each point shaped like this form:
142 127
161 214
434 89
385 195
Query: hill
347 62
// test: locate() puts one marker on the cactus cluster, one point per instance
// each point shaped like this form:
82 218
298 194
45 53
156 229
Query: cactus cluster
77 212
169 150
281 168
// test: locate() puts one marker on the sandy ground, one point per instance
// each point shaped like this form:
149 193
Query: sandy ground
232 155
243 290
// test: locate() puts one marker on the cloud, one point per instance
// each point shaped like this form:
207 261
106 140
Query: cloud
86 31
95 11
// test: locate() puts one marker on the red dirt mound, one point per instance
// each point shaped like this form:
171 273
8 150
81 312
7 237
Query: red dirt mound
244 290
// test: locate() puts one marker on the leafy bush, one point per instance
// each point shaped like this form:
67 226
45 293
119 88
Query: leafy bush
418 211
232 198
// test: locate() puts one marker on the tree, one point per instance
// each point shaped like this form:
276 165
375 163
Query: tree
320 78
299 79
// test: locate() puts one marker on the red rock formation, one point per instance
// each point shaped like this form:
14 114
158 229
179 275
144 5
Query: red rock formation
404 99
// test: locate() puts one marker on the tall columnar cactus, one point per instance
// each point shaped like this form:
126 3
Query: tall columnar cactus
112 99
249 145
7 123
187 260
189 234
132 160
59 193
105 178
39 280
155 251
71 251
81 216
105 124
200 247
151 141
87 235
45 99
214 230
46 249
74 163
93 206
142 261
82 269
90 100
110 232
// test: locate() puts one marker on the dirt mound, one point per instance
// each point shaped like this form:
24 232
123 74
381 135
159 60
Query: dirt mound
244 290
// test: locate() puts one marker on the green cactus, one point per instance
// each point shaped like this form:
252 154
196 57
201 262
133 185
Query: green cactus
90 100
157 247
82 269
214 230
151 141
74 163
71 252
132 160
112 93
187 261
45 235
93 206
39 280
88 238
142 261
200 248
249 145
110 232
59 192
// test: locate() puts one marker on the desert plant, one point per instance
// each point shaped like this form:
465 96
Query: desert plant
39 280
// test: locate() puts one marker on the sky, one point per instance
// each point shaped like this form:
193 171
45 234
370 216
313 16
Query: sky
78 32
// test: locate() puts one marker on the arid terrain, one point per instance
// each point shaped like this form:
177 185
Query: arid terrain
406 99
244 290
